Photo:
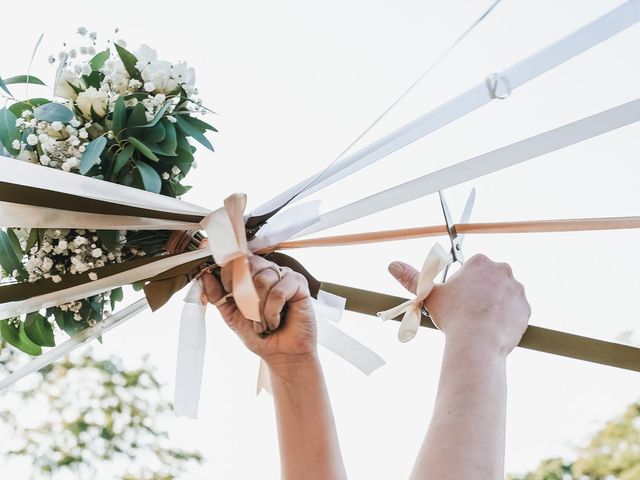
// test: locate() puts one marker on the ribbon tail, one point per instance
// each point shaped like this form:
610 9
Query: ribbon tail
244 292
395 311
409 324
264 380
191 349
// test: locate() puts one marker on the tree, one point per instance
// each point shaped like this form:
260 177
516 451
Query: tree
612 453
91 418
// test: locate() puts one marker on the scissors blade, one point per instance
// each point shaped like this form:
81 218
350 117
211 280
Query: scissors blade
455 246
468 208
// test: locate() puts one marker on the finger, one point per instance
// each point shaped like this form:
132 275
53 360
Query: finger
293 287
264 280
212 288
225 277
405 274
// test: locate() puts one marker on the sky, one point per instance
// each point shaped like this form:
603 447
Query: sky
294 83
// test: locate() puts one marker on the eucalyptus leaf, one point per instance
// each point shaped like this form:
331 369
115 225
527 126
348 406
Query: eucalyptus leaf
158 115
19 107
52 112
155 134
15 242
39 330
116 296
32 239
183 161
3 86
138 116
192 131
149 176
170 141
109 239
122 158
199 124
21 79
92 154
8 258
129 60
17 337
8 130
143 149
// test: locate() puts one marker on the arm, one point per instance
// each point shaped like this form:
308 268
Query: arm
483 313
306 429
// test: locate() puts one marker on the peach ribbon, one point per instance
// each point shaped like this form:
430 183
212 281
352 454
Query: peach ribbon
228 245
436 260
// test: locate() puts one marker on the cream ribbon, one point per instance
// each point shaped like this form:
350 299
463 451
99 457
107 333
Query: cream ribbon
436 260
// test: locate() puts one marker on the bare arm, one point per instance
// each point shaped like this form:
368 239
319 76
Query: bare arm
309 446
483 312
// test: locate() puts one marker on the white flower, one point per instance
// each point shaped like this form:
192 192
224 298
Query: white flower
184 74
75 123
66 82
27 114
93 35
175 170
149 86
44 160
86 68
171 118
96 253
92 98
73 53
27 156
56 278
51 59
93 276
47 263
166 176
83 133
77 317
134 84
16 144
82 31
145 56
80 240
57 126
32 139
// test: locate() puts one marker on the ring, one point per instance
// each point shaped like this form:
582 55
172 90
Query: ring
276 269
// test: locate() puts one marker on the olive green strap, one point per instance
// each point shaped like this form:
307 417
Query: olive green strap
535 338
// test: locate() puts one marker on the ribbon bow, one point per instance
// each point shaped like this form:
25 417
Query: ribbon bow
436 260
228 245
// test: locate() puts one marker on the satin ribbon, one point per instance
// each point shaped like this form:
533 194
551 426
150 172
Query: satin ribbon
436 260
228 245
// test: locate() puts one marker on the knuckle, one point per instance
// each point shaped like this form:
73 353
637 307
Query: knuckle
261 280
277 293
479 259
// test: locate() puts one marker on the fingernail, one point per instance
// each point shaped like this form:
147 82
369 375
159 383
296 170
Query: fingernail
257 327
396 269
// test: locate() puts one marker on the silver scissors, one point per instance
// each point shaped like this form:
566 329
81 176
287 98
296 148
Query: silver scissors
456 240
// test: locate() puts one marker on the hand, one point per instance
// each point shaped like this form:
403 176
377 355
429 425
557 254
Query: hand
482 304
293 336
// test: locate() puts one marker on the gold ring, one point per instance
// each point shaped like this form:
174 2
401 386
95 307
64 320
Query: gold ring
276 269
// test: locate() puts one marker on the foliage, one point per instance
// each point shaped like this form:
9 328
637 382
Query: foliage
612 453
81 416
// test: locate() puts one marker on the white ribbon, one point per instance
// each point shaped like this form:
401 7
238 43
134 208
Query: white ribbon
436 260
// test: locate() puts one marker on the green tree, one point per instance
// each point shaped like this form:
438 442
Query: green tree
91 418
612 453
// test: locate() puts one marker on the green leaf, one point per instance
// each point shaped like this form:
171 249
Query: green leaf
97 62
109 239
129 60
15 243
39 330
155 134
116 296
143 149
149 176
19 107
170 142
119 116
92 154
17 337
3 86
122 158
192 131
94 79
66 322
32 239
52 112
158 115
138 117
8 258
137 286
20 79
183 161
8 130
199 124
180 189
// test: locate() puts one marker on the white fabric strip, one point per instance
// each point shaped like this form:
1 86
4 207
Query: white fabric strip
286 224
76 341
579 41
28 216
32 175
191 348
12 309
484 164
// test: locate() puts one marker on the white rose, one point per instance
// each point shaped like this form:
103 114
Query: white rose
63 88
184 74
92 98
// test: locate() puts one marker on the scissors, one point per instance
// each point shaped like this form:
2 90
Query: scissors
455 239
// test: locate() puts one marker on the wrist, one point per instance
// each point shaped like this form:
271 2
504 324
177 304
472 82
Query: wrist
292 365
476 346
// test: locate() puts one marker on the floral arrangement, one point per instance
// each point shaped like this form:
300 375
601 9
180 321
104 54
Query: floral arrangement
119 116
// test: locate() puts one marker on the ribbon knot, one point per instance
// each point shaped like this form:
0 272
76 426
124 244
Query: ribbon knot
436 260
228 245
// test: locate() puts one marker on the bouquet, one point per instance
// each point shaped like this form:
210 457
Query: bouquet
119 116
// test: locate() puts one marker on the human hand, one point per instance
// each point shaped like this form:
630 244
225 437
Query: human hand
482 304
294 335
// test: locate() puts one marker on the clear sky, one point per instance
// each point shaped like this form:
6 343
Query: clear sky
294 82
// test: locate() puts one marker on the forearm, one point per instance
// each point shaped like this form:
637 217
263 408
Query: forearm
309 446
466 435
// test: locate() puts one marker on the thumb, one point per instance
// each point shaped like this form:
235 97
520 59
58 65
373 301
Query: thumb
405 274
